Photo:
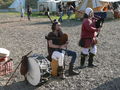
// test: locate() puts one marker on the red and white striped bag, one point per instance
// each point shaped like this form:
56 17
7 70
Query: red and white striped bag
6 68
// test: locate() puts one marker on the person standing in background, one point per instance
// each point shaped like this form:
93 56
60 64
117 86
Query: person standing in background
22 11
29 12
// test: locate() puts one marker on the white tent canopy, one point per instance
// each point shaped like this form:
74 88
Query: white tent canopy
68 0
18 5
48 3
45 0
95 4
52 4
109 0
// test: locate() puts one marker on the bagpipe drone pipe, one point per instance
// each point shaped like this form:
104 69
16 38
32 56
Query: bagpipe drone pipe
99 16
99 21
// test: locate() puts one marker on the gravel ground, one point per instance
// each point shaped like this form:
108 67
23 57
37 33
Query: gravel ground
20 37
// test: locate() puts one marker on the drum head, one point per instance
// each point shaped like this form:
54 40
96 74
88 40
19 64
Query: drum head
33 75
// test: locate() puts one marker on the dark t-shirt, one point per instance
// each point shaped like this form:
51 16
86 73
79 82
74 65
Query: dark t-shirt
55 40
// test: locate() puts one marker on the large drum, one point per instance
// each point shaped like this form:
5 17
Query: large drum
38 66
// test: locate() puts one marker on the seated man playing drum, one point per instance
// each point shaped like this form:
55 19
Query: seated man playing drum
57 51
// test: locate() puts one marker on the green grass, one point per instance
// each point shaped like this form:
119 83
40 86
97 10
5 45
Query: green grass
37 15
10 13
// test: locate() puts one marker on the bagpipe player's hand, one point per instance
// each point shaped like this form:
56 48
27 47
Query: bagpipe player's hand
98 30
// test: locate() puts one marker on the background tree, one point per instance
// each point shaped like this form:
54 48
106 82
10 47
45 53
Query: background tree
6 3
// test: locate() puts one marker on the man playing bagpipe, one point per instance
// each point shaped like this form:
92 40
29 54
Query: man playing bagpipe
57 44
88 38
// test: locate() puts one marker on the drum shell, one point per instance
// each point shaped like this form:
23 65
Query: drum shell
39 66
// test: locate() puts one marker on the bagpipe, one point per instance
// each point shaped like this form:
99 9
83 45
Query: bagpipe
98 24
48 14
99 20
64 37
